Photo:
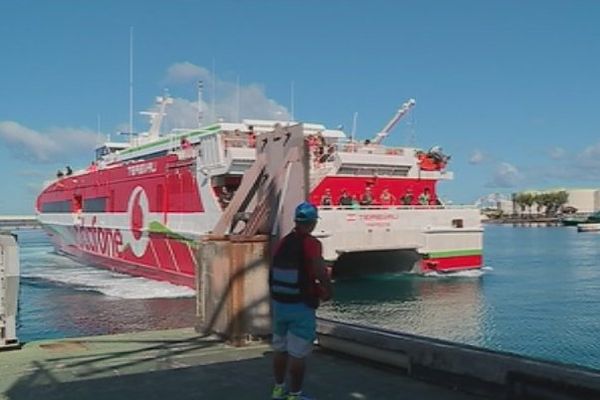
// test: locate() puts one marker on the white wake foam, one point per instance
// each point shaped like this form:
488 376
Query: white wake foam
470 273
41 263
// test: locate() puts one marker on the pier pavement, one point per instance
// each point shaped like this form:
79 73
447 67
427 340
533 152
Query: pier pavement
178 364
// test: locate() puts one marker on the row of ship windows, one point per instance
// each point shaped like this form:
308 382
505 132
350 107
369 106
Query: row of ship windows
96 205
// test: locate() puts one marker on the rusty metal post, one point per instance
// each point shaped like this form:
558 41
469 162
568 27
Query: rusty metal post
232 272
233 295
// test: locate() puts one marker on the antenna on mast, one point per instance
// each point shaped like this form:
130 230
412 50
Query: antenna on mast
237 104
214 91
354 120
98 139
131 80
200 110
292 100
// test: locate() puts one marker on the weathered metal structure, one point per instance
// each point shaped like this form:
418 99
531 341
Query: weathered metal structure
9 291
232 275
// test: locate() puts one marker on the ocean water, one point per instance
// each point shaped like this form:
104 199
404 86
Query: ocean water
62 298
539 295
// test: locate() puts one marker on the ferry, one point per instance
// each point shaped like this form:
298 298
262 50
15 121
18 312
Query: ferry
141 207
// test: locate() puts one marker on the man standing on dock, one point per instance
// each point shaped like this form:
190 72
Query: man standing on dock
298 280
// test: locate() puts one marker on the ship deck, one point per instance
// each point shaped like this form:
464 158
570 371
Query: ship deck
178 364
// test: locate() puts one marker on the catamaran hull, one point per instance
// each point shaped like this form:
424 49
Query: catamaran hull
165 259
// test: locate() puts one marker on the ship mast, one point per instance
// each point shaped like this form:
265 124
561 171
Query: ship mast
156 117
131 81
200 110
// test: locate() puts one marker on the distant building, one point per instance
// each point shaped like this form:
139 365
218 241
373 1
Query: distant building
584 200
496 201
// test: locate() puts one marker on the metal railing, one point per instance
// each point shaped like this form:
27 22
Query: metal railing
397 207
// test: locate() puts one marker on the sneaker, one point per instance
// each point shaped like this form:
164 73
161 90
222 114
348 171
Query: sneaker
301 396
278 393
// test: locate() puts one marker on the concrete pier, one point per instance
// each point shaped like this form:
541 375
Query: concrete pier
15 222
178 364
470 369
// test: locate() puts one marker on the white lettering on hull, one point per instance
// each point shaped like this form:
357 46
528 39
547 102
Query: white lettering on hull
141 169
105 241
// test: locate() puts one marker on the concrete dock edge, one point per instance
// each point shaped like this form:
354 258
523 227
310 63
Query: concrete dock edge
467 368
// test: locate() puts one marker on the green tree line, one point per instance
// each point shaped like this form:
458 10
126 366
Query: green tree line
550 203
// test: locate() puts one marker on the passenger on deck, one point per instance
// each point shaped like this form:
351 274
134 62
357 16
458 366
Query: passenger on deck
367 197
345 199
251 137
93 167
386 198
185 143
59 174
355 203
225 196
424 197
328 156
407 199
326 199
69 171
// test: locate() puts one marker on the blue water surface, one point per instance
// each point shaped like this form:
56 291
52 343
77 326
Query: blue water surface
62 298
538 296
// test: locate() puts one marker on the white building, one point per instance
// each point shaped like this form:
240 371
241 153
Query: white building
584 200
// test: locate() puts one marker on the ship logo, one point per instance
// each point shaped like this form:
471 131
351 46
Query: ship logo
136 237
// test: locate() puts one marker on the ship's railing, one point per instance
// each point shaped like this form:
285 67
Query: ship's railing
398 207
184 154
238 142
355 147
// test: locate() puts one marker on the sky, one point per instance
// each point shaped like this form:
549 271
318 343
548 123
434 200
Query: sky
510 89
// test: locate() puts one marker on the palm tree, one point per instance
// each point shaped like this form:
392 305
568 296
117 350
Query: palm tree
540 200
519 199
528 200
561 199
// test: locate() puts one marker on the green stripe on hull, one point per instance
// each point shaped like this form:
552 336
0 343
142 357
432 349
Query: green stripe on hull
205 131
455 253
158 228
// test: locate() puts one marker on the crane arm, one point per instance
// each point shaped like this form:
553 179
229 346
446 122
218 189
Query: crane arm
390 125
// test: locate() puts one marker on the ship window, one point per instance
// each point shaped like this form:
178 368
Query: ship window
457 223
56 207
97 204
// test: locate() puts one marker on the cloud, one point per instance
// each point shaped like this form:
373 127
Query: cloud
477 157
232 102
186 72
505 176
54 145
584 166
589 158
556 153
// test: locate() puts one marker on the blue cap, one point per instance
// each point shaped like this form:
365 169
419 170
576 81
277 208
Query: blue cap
306 212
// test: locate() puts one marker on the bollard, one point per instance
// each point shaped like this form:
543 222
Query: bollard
9 291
